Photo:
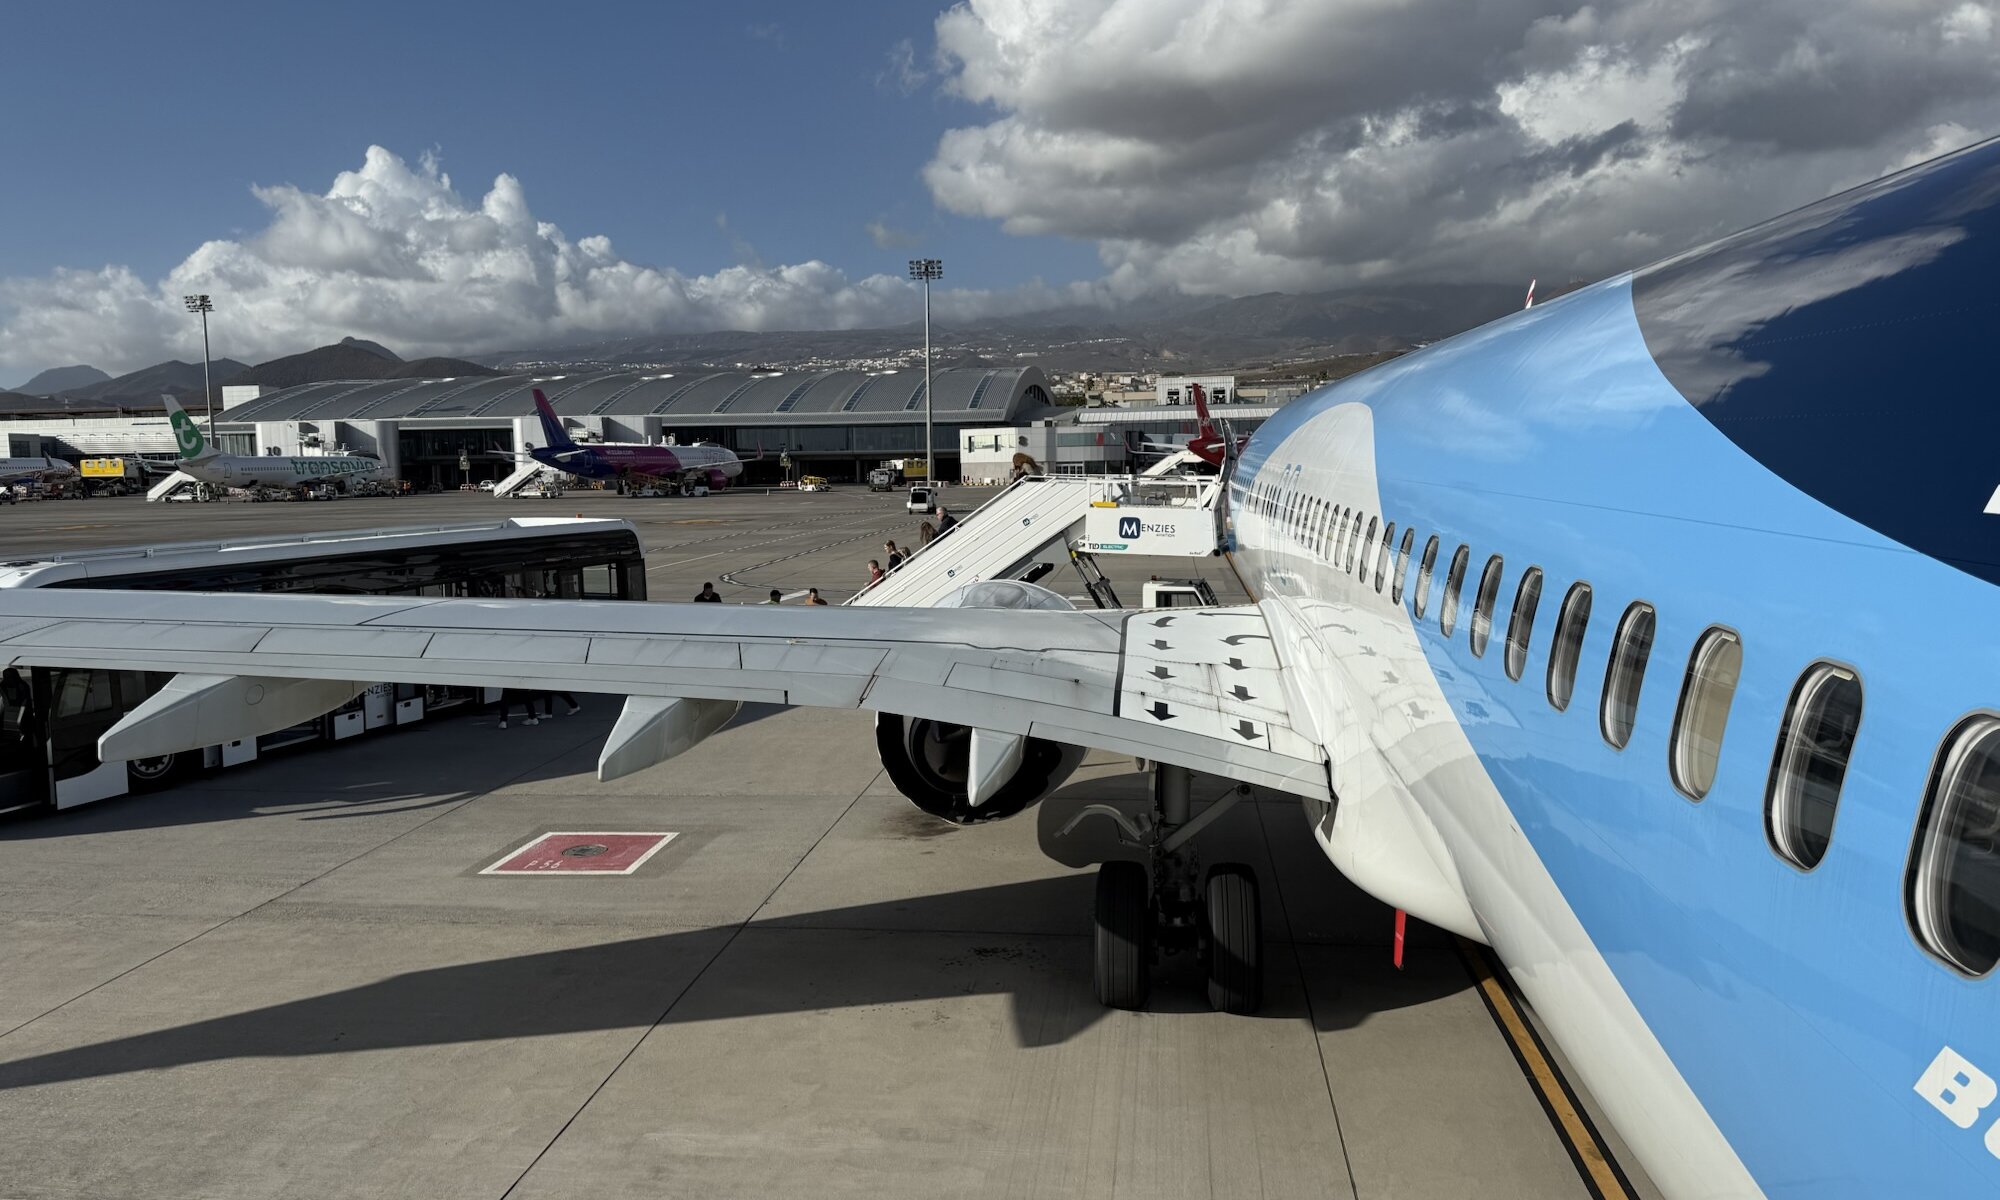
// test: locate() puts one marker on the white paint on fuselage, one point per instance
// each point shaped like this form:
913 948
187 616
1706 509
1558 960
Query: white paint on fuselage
1394 741
277 471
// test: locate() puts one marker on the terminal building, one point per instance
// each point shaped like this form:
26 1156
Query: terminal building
833 423
839 423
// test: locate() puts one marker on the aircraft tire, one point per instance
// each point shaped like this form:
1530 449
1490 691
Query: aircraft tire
1122 964
1235 940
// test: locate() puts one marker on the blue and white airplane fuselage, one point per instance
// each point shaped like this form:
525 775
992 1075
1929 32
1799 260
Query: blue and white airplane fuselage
1768 437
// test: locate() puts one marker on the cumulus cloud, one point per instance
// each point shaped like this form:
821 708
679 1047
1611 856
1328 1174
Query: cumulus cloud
1231 146
391 252
901 72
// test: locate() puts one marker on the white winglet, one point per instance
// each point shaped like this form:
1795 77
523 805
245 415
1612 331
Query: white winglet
210 710
653 729
993 760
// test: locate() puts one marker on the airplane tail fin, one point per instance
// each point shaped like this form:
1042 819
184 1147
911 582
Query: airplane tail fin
1207 426
188 440
552 426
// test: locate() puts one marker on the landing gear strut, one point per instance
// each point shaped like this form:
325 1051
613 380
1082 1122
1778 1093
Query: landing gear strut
1166 905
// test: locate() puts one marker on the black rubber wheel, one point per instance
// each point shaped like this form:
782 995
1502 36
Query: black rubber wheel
1121 970
151 774
1235 940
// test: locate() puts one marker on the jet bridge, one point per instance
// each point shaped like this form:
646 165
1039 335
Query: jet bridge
1048 518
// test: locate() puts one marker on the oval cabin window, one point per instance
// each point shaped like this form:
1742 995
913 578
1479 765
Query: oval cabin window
1810 763
1625 674
1567 651
1521 626
1422 599
1454 579
1482 606
1954 887
1402 566
1382 556
1703 715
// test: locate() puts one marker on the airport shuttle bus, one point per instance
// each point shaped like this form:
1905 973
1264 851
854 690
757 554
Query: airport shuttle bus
50 719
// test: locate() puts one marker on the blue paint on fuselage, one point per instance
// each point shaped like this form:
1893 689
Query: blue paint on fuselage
1796 1005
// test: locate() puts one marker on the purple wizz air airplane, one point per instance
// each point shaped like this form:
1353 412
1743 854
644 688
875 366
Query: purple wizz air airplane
711 466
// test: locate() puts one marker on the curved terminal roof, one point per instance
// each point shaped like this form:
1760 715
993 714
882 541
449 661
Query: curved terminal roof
962 395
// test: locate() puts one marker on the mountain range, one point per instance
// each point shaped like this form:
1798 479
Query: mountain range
1165 332
1156 333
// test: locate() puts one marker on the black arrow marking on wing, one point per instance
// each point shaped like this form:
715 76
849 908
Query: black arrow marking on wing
1241 692
1160 712
1162 673
1160 645
1236 664
1247 731
1237 639
1163 622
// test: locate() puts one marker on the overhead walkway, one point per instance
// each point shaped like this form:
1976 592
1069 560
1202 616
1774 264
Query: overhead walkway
1036 519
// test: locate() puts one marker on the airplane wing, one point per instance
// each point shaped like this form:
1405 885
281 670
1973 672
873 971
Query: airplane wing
1201 688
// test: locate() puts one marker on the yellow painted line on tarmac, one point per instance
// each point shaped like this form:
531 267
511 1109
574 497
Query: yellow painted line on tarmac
1580 1137
1599 1171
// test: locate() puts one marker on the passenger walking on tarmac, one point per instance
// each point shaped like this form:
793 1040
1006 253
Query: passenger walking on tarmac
945 521
509 697
776 597
874 572
549 704
708 595
895 555
813 596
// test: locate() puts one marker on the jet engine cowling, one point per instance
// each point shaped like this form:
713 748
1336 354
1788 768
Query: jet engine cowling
716 479
931 762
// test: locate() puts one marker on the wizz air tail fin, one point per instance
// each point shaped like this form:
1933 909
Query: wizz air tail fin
188 440
552 426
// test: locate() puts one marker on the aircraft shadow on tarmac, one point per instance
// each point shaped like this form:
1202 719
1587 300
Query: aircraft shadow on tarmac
856 957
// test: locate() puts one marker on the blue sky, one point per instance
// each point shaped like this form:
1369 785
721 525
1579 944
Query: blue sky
144 126
1058 152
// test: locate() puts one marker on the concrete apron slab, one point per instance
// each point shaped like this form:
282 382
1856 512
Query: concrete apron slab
922 1065
278 1057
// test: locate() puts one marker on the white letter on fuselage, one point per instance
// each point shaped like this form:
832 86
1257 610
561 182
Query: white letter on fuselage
1956 1088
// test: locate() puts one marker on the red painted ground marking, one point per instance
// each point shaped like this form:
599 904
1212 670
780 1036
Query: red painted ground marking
582 854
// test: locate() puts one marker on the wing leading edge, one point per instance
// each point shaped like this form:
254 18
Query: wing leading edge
1197 688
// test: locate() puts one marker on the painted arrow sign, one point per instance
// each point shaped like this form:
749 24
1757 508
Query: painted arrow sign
1237 639
1160 712
1241 692
1247 731
1160 645
1162 673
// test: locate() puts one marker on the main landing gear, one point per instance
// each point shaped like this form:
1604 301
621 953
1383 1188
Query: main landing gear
1166 905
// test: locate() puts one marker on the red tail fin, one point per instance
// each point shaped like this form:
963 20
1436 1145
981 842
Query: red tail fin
1207 427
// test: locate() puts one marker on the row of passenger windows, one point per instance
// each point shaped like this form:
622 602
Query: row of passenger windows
1952 883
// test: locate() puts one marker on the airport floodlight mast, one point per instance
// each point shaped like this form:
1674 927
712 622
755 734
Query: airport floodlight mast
927 269
200 304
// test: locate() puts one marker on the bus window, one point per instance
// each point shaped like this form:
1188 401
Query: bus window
79 693
599 584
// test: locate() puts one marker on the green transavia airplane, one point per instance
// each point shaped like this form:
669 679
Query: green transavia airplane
209 465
